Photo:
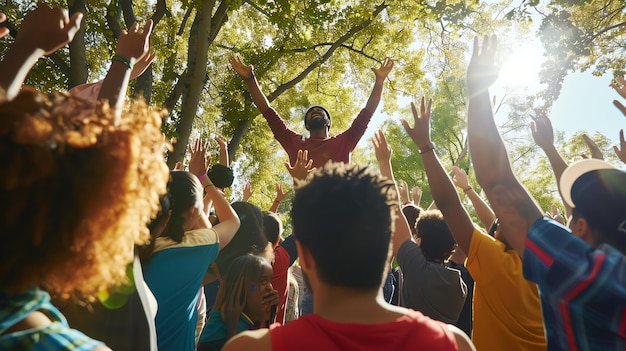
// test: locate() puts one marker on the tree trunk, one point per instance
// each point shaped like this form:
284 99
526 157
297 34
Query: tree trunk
240 131
197 62
78 57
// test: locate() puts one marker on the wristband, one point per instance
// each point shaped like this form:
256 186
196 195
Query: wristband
249 78
201 176
123 60
467 189
426 148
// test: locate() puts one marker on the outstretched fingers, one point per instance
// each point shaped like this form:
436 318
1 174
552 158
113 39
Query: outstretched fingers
3 30
621 150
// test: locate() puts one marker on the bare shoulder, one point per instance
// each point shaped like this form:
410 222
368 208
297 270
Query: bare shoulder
250 340
462 340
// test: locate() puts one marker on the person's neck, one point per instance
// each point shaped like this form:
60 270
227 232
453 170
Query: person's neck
346 305
318 133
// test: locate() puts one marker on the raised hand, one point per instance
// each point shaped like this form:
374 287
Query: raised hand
403 189
48 29
42 32
280 193
459 177
417 195
542 131
382 72
3 30
555 215
247 192
482 71
621 150
620 87
593 147
245 71
224 161
383 154
142 64
197 164
303 166
134 44
420 133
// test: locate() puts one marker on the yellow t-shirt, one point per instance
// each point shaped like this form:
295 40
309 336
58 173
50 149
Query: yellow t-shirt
507 308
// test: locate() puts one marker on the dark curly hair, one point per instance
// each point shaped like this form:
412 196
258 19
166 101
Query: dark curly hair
437 241
343 215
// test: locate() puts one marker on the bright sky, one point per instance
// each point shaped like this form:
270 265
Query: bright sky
585 103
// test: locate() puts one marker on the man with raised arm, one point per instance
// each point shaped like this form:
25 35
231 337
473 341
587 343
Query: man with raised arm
356 210
507 310
580 269
317 121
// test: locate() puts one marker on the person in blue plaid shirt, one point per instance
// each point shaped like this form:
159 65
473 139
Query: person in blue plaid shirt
580 269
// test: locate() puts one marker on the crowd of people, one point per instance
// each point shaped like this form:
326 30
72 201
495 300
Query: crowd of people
106 248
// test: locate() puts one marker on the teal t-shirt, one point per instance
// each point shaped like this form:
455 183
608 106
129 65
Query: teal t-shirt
215 328
174 274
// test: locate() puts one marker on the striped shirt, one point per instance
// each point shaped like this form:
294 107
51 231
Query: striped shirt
583 290
53 337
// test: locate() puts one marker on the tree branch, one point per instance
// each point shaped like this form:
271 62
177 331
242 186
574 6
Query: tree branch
257 7
176 93
353 31
114 18
161 10
129 12
61 64
183 23
219 18
78 56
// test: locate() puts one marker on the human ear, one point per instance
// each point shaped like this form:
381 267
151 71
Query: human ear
580 228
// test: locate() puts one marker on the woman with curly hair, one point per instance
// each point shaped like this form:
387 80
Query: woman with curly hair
77 192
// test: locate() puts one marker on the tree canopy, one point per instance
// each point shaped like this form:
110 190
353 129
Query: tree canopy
320 52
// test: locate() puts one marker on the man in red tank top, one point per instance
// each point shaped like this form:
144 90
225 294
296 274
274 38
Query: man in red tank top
354 209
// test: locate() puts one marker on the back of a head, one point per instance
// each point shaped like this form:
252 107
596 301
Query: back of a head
249 238
437 241
343 215
156 226
185 191
272 226
597 192
77 193
411 213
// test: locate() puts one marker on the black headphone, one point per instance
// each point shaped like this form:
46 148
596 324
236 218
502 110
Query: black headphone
330 121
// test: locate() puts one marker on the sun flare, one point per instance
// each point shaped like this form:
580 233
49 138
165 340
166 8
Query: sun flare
521 66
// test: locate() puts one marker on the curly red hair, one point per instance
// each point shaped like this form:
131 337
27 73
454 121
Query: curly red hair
78 188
